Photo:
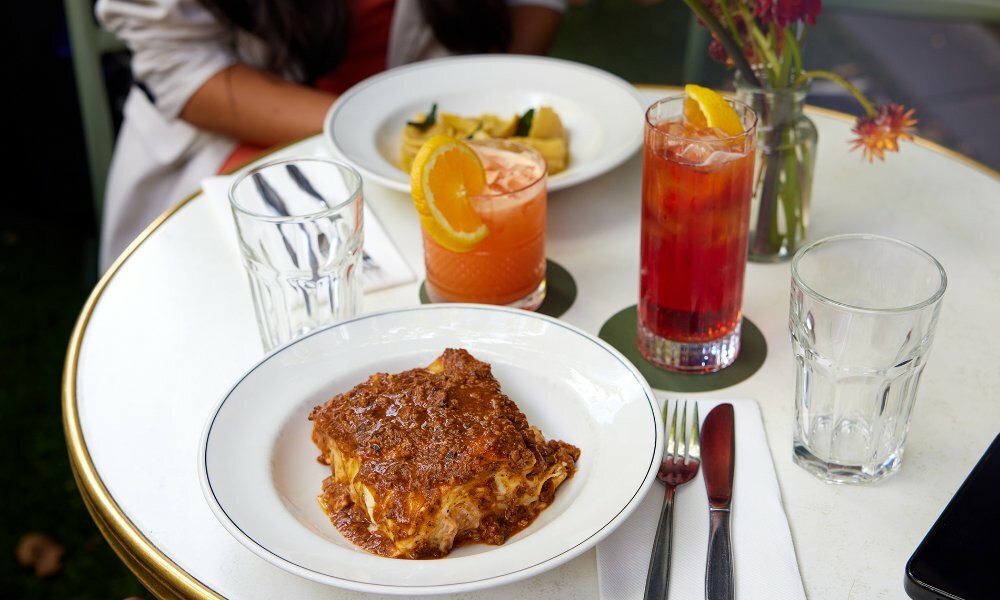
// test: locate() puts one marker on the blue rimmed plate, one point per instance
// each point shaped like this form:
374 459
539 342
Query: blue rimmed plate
260 475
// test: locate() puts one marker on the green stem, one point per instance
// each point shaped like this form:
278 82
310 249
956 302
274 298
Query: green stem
792 61
734 51
779 59
792 198
830 76
727 17
787 190
800 41
763 47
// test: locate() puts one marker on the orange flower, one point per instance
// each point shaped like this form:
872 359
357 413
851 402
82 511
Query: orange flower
897 119
881 133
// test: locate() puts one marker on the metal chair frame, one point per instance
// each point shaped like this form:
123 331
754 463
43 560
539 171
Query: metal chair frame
89 45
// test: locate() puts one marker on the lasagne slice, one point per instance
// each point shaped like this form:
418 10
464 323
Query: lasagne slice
432 458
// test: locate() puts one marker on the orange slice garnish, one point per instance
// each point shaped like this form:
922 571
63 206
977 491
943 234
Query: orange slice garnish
706 108
445 174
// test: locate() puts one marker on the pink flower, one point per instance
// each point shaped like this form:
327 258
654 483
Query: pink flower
881 133
717 52
785 12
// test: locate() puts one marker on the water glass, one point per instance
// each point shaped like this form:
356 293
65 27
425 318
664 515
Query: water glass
300 224
862 317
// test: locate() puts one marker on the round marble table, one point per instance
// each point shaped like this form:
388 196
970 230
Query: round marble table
170 327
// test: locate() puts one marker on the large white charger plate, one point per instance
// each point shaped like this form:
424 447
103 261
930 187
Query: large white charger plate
260 475
602 113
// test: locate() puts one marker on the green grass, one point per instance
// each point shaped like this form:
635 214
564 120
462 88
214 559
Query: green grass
44 286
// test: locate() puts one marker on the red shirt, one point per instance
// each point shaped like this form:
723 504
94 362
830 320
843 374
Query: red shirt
368 26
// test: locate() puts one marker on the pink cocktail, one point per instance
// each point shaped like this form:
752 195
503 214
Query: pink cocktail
696 192
508 266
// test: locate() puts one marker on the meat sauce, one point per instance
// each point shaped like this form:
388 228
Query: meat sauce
419 434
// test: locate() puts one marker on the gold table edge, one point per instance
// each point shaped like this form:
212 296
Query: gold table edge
160 575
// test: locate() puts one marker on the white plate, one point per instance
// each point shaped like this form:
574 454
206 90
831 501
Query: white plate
260 475
602 113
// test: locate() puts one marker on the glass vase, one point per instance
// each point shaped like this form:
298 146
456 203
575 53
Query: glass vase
786 155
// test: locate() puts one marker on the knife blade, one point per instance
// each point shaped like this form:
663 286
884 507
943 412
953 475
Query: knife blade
718 461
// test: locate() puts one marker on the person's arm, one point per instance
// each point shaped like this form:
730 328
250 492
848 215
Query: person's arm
533 28
256 106
183 55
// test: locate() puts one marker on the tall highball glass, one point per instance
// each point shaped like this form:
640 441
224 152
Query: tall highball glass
696 193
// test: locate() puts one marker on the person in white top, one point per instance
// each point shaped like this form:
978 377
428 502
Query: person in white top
212 73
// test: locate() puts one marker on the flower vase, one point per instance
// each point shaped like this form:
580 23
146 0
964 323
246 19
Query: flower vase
786 154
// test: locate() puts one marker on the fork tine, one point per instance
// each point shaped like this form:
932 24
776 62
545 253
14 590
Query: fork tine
694 447
672 436
682 440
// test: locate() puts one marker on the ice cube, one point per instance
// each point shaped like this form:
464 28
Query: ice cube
693 152
673 128
718 158
491 178
507 171
713 133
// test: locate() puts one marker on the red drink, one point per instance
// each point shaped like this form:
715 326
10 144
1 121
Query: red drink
696 191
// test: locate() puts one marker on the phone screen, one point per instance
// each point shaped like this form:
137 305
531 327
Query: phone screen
958 557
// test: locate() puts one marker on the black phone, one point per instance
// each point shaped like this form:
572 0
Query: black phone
958 558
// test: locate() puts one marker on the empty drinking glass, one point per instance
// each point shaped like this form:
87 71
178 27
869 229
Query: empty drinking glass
300 231
862 318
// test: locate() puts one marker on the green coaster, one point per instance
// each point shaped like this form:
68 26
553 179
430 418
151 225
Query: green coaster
560 290
620 331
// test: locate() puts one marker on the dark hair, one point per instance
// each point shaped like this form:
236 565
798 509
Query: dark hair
308 38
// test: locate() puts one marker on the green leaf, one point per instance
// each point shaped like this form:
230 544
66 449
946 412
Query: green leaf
428 121
524 123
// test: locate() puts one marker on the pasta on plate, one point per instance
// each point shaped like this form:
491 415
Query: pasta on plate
432 458
539 127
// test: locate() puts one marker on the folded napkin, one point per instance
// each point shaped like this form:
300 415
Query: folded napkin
764 558
392 269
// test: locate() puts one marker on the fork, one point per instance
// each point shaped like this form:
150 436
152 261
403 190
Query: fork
302 181
681 460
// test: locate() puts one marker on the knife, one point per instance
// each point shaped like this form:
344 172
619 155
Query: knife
302 181
718 457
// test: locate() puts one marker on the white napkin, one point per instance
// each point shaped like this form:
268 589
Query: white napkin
392 269
763 556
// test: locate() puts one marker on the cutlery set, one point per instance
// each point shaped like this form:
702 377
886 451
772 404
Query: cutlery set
713 452
273 200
